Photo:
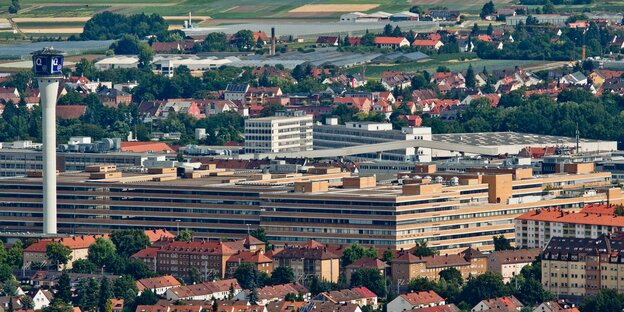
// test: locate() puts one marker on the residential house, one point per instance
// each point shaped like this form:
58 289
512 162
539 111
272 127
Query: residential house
42 299
509 263
158 285
576 79
391 42
361 104
261 36
327 41
406 266
361 296
365 263
218 289
49 279
235 92
259 259
414 120
415 300
328 306
443 15
117 305
556 306
14 300
268 294
428 44
492 99
500 304
239 306
214 107
394 79
79 246
307 261
259 95
285 306
70 111
442 308
113 97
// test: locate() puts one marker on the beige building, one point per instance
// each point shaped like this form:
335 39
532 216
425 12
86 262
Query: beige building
308 261
408 266
79 246
289 131
509 263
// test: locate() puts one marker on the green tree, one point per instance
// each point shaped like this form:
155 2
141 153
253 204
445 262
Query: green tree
58 254
420 284
416 9
487 9
15 255
282 275
185 235
128 242
63 288
388 255
387 30
58 306
356 252
619 210
607 300
501 243
484 286
14 7
548 8
101 252
106 293
475 30
83 266
260 233
422 250
253 296
490 29
371 279
451 275
248 276
87 293
470 77
244 39
368 40
125 287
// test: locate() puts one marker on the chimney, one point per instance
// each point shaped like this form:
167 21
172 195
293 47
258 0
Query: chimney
272 40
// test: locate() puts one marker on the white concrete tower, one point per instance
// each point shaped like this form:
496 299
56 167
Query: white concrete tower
48 65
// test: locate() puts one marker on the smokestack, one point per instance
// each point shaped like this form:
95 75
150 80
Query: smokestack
190 22
272 40
47 66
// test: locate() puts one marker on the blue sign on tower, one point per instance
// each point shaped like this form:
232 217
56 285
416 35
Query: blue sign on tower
48 62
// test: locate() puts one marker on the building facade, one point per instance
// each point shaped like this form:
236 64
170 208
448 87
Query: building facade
289 131
331 136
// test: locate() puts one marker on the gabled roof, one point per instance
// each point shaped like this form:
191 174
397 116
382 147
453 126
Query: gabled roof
420 298
155 235
256 257
366 263
508 303
157 282
73 242
205 288
70 111
327 39
389 40
425 43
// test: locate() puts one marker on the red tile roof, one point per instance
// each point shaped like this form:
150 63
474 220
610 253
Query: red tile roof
70 111
366 263
255 257
420 298
389 40
425 43
557 215
155 235
149 252
157 282
74 242
146 147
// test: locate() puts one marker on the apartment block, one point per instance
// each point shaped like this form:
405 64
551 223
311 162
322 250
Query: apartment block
289 131
331 136
308 261
576 267
535 228
79 246
407 266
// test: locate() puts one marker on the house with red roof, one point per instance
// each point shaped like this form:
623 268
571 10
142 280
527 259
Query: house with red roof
362 104
414 120
493 99
79 246
218 289
158 285
327 41
365 263
275 293
500 304
416 300
259 259
360 296
391 42
262 36
70 111
428 44
146 147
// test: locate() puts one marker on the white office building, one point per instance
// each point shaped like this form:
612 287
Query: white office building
331 136
289 131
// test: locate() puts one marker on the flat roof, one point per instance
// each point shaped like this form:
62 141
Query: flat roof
506 138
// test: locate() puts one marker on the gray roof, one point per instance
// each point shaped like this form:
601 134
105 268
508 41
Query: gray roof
504 138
